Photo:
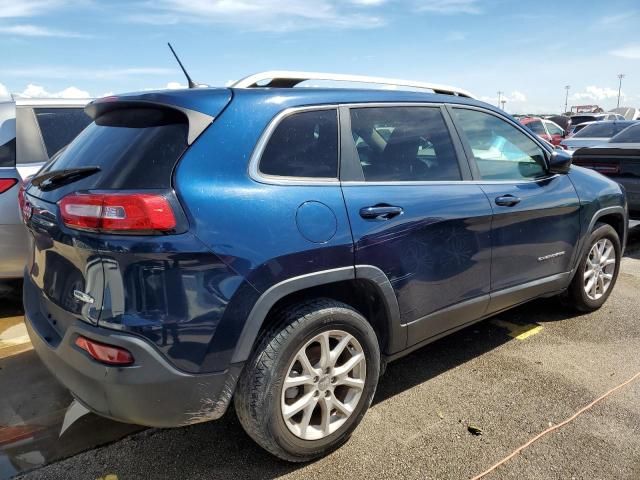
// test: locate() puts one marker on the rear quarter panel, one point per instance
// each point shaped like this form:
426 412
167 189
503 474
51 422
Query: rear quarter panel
251 226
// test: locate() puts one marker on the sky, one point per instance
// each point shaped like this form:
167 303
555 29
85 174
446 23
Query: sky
528 50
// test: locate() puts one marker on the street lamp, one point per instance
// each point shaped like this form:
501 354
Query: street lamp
620 77
499 97
503 101
566 98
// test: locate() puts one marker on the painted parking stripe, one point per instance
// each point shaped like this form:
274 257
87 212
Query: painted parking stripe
13 337
519 332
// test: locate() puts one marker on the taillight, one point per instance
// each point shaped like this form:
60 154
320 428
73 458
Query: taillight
109 354
118 213
7 183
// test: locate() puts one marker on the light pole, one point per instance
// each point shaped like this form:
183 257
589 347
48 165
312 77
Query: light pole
620 77
503 102
566 97
499 97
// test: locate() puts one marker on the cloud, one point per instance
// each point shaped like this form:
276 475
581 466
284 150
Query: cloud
261 15
36 31
449 7
37 91
4 93
85 73
596 93
515 97
29 8
629 51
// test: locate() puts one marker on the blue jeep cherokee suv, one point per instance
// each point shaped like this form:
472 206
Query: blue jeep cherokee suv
278 245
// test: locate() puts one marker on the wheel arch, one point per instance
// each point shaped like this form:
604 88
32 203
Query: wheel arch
364 287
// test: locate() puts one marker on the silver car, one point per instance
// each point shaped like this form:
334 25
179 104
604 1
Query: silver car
594 134
31 131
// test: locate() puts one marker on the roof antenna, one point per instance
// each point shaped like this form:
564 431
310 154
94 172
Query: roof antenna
191 83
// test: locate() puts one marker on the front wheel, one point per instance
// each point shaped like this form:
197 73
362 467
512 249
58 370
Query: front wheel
598 270
310 381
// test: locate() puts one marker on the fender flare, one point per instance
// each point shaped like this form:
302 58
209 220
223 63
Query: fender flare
594 219
397 333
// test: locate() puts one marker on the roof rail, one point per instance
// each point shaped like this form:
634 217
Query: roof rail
289 79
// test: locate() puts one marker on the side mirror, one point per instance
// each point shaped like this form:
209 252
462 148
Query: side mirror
560 161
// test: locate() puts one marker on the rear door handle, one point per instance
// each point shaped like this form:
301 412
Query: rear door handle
507 201
380 212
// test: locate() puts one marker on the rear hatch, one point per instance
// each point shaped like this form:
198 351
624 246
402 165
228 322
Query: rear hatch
611 160
109 189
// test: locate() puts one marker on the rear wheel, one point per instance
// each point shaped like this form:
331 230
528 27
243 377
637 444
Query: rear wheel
310 381
598 270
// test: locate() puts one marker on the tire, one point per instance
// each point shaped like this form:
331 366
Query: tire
577 296
260 400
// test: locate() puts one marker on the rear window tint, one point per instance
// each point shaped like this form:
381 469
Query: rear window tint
578 119
628 135
134 148
304 144
8 154
601 130
59 126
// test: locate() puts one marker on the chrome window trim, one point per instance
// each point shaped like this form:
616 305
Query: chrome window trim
256 175
256 155
353 183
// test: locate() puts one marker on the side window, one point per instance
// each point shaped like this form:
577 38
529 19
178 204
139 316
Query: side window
537 127
8 154
404 144
553 129
304 144
501 151
59 126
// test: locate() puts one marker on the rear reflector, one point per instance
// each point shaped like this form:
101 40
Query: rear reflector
103 353
7 183
118 213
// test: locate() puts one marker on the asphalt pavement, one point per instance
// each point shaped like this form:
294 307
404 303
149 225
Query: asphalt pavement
448 411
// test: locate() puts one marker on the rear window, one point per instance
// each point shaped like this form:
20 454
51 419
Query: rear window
628 135
536 127
59 126
134 148
577 119
601 130
304 144
8 154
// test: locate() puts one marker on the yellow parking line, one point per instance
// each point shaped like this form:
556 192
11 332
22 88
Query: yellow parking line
519 332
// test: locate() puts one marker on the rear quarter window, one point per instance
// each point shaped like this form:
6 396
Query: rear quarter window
304 144
59 126
8 154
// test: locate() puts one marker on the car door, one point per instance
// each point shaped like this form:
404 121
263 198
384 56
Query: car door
414 214
536 215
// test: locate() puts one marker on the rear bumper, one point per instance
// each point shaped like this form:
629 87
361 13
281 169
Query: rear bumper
151 392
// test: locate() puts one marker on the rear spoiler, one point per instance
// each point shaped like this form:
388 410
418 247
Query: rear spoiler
198 121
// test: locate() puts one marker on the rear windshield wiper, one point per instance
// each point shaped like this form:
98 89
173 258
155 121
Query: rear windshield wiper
51 180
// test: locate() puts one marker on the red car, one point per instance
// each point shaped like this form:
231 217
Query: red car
545 129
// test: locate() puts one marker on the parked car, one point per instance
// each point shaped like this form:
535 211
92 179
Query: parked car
629 113
563 121
31 131
618 159
580 121
594 133
277 246
545 129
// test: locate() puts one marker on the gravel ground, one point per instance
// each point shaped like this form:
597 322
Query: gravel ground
417 428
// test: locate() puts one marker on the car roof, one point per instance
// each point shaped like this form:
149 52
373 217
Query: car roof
277 99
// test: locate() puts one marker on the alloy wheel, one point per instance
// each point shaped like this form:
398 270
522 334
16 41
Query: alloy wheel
599 270
323 386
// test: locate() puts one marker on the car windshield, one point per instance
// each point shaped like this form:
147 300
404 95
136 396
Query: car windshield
628 135
601 130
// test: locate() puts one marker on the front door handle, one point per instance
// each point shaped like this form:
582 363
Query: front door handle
380 212
507 201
